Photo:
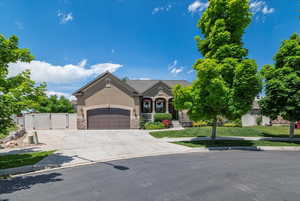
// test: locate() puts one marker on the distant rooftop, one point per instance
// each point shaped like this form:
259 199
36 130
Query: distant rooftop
142 85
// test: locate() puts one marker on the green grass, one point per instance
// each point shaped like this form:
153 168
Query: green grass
18 160
257 131
234 143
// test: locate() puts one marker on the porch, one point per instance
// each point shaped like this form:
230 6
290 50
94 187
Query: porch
152 105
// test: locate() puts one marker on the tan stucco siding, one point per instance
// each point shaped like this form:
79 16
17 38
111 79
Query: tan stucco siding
100 96
111 95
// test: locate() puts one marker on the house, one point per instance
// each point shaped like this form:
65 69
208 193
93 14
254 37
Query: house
111 103
254 117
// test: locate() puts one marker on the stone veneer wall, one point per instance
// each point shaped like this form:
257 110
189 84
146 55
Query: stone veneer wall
81 124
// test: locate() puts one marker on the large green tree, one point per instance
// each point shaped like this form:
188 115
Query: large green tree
17 93
226 82
283 83
55 104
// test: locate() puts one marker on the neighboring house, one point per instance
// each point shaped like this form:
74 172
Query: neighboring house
253 117
74 104
110 103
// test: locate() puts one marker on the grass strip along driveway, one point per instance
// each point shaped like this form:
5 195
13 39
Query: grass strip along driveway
18 160
236 143
256 131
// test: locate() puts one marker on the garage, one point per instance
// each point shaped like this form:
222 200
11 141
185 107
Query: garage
108 118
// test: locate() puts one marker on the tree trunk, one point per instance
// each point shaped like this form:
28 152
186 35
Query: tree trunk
214 130
292 129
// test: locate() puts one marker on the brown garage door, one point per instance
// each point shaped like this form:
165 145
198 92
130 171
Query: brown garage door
108 118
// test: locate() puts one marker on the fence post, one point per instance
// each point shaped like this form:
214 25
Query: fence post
33 122
67 120
50 121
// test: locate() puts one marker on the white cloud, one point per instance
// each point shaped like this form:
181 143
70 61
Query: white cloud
144 78
190 71
172 65
267 10
82 63
19 25
45 72
64 17
174 69
162 8
260 8
140 78
197 6
59 94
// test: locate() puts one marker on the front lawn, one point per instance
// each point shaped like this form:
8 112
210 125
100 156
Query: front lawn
256 131
17 160
236 143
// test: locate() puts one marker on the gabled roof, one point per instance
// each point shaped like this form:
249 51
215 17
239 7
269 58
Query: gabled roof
143 85
106 75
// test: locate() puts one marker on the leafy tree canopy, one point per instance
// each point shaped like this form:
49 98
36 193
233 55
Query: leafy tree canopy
283 82
17 93
226 82
55 104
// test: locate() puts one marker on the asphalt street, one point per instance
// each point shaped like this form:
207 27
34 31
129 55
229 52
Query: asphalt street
213 176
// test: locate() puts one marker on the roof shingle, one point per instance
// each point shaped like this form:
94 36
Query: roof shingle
142 85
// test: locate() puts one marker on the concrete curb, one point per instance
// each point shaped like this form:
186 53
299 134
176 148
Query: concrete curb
229 138
24 169
30 169
241 148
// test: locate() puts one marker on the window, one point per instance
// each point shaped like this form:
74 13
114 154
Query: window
147 105
108 83
160 105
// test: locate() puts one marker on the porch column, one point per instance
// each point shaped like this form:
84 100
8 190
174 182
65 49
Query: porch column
167 105
153 108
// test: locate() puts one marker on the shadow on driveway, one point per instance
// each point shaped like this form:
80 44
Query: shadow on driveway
26 182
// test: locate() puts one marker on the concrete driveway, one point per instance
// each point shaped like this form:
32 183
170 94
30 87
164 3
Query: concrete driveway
85 146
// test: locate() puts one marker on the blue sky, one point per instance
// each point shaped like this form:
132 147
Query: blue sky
73 41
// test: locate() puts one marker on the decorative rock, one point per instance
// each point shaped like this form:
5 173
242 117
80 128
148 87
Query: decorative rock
11 144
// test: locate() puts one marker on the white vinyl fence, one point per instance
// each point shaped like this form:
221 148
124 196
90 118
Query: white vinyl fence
47 121
251 120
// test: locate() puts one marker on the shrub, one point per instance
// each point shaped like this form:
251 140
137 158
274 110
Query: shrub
231 125
154 125
259 120
200 123
142 123
158 117
167 123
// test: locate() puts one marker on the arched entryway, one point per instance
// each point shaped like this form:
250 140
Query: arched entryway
147 105
160 105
